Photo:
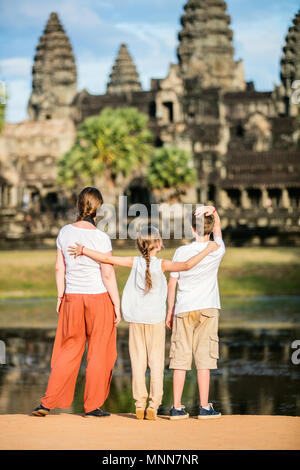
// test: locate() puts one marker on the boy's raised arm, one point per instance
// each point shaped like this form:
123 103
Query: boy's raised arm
211 210
217 226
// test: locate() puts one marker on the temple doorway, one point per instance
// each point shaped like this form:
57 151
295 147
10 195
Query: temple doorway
138 192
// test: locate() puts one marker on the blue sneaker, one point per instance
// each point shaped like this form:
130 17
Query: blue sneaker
207 414
40 411
178 414
98 413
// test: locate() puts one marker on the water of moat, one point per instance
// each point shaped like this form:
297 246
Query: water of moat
255 376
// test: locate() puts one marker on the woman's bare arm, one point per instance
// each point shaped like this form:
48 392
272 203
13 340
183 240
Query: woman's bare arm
175 266
60 270
125 261
110 282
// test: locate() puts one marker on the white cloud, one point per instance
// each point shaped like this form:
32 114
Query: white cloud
161 34
16 73
18 94
93 73
155 46
20 66
258 41
75 14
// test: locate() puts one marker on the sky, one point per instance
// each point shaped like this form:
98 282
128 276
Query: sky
96 29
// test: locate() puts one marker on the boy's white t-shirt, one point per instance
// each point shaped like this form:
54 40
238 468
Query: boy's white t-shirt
198 288
83 275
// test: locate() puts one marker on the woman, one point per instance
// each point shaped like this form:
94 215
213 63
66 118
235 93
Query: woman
88 305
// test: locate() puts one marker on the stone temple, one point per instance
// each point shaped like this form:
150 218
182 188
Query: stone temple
246 143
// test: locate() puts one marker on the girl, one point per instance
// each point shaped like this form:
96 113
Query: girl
88 304
144 307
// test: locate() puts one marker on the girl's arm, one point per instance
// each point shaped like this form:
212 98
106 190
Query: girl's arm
60 269
125 261
110 282
176 266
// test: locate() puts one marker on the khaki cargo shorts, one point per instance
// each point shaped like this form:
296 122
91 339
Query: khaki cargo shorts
195 334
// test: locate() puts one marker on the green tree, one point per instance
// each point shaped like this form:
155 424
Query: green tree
114 143
171 168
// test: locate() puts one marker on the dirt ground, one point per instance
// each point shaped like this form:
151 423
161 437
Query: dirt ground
123 431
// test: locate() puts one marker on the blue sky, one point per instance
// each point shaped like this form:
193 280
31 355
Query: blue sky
97 27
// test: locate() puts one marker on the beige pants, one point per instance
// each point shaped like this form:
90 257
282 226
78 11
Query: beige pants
147 348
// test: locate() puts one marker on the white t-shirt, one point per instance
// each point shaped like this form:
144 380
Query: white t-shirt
198 288
138 307
83 275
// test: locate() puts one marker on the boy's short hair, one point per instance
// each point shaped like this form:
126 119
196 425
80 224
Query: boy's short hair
203 225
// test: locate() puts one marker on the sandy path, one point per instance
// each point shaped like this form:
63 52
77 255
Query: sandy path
67 431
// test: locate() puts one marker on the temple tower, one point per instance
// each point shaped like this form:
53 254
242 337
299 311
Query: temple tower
290 68
124 77
205 51
54 77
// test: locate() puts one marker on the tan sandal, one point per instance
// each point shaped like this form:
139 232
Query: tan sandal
151 414
140 413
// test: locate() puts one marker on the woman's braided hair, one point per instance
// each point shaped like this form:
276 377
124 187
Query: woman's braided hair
148 240
88 202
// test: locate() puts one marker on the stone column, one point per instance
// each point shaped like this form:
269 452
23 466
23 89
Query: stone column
202 192
245 201
223 199
5 196
14 196
285 199
264 197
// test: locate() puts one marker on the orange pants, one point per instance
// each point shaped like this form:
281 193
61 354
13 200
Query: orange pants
82 317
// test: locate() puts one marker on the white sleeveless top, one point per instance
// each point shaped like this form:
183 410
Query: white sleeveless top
139 307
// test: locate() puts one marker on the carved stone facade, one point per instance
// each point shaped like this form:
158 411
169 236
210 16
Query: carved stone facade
246 143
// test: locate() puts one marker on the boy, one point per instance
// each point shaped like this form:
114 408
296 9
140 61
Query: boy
194 318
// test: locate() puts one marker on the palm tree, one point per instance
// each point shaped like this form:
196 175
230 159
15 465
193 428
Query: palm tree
171 171
111 145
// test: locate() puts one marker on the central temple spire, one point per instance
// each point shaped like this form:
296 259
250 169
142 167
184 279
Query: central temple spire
124 77
205 50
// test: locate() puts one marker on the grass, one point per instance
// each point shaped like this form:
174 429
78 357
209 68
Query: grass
243 272
246 275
